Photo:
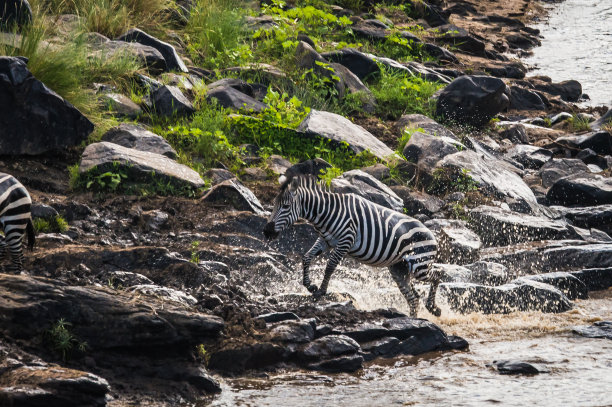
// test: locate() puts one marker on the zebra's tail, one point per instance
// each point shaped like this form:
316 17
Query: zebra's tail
31 234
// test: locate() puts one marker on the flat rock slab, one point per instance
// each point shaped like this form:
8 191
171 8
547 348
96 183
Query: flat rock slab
138 164
169 101
595 278
34 119
569 284
581 190
136 137
601 329
340 129
232 193
368 187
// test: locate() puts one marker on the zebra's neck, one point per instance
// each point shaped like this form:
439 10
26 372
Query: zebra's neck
316 205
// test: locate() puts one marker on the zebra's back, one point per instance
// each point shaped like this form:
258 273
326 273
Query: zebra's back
15 203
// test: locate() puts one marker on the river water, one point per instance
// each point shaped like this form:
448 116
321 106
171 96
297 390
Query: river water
577 44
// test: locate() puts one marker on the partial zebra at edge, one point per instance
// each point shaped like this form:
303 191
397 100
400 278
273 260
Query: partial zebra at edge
15 220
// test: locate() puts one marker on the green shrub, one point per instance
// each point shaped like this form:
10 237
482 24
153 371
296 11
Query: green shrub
55 224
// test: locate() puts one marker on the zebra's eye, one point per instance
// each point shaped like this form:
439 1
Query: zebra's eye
286 206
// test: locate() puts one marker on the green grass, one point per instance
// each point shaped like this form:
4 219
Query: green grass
55 224
577 124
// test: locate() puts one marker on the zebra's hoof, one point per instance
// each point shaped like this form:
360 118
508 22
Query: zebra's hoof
318 294
436 312
312 288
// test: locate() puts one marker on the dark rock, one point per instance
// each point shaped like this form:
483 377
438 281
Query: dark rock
368 187
558 168
138 165
522 41
349 363
600 142
33 118
201 380
570 91
383 347
173 60
379 172
238 84
525 99
42 211
428 126
582 190
218 175
595 278
461 39
440 53
233 99
166 293
526 296
136 137
15 12
120 105
255 356
233 193
306 56
418 202
588 217
144 54
472 100
426 150
328 347
340 129
602 121
309 167
517 367
293 331
422 329
365 332
589 156
362 65
350 83
513 70
601 329
123 278
498 227
529 156
278 317
169 101
561 117
457 244
484 273
569 285
278 164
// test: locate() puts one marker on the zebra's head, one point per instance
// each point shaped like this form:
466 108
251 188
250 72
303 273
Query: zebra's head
286 209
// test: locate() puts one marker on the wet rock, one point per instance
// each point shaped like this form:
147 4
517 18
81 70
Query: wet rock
494 177
588 217
278 317
589 156
293 331
582 190
602 121
460 38
200 379
241 358
498 227
457 244
349 363
328 347
120 105
173 60
518 367
472 100
123 278
600 329
421 329
16 12
366 186
426 150
139 165
383 347
569 285
600 142
505 70
365 332
529 156
595 278
526 296
231 98
39 384
418 202
34 119
570 91
136 137
525 99
516 133
483 273
557 168
339 129
234 194
169 101
561 117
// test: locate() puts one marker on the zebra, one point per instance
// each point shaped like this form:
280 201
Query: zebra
370 233
15 219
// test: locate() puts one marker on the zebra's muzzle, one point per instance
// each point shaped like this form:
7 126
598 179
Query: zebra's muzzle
269 231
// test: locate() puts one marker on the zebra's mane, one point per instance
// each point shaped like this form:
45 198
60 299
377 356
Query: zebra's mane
305 181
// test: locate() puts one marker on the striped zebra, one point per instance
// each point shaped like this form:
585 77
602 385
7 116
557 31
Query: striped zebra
353 226
15 219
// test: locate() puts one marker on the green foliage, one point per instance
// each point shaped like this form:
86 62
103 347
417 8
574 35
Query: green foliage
282 110
327 175
405 138
208 147
577 124
107 180
195 258
62 340
446 181
399 93
55 224
202 354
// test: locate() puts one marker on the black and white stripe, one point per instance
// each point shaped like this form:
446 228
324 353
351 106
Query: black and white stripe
15 219
353 226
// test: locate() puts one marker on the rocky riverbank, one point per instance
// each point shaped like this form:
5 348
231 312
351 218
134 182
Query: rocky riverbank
151 279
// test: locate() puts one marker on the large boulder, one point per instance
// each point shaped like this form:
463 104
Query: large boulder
34 119
569 284
557 168
498 227
525 99
339 130
231 192
472 100
144 54
570 91
173 60
136 137
581 190
368 187
457 244
494 177
362 65
600 329
599 141
599 217
169 101
139 165
426 150
15 12
232 98
427 124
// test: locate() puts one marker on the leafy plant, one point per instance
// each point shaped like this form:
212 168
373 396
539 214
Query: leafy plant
62 340
202 354
282 110
54 224
195 258
405 138
108 180
327 175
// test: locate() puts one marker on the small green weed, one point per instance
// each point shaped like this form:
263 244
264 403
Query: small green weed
329 174
446 181
577 124
55 224
202 354
405 138
62 340
195 258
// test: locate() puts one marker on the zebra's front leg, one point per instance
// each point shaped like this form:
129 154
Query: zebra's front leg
317 248
402 277
433 277
334 259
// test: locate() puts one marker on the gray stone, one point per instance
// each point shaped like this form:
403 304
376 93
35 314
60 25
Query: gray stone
123 278
600 329
600 142
278 164
306 57
136 137
365 332
169 101
138 164
525 99
278 317
42 211
604 120
419 121
515 133
472 100
368 187
570 91
292 331
518 367
569 285
362 65
218 175
232 192
581 190
121 105
460 38
481 272
144 54
164 293
558 168
340 129
231 98
457 244
529 156
426 150
348 363
173 60
328 347
560 117
34 119
588 217
416 202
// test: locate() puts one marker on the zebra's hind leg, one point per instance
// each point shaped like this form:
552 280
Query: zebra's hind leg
14 241
431 276
401 276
